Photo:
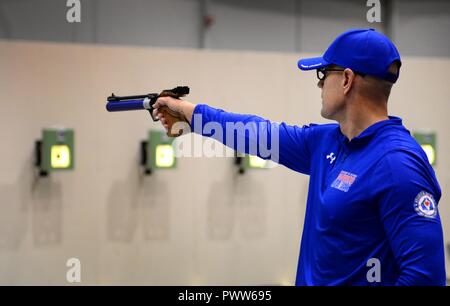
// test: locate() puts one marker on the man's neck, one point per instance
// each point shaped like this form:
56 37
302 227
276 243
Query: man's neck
359 116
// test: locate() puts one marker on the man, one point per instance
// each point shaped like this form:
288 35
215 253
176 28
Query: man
371 215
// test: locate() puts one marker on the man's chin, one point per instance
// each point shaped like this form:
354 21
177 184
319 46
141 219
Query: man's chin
324 114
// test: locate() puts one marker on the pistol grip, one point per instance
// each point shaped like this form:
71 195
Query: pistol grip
171 118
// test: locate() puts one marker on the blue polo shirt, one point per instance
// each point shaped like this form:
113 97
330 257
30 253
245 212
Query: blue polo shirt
371 214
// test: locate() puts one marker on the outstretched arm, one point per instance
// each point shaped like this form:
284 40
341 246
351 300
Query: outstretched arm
286 144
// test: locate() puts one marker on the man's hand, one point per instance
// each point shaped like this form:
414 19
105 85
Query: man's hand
183 107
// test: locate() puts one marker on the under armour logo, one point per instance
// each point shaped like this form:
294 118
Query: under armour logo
331 157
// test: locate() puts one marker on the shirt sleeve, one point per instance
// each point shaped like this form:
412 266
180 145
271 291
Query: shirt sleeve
403 185
285 144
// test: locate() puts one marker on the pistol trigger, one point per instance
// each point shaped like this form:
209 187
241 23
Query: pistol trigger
151 114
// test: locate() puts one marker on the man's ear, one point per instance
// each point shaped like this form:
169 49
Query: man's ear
348 81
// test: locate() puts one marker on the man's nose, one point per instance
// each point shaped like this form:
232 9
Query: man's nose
320 84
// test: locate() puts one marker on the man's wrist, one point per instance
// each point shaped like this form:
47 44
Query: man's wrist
188 110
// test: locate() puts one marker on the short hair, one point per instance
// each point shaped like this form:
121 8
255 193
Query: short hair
378 89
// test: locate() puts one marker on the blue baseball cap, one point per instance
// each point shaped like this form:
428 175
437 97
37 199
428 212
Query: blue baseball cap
363 50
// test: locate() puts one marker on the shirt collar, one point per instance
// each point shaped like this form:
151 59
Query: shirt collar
370 131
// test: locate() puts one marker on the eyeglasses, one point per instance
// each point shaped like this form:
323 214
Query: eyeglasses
322 72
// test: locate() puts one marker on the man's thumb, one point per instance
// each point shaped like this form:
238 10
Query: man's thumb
160 102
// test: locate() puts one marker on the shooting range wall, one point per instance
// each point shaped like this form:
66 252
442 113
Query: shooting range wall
197 224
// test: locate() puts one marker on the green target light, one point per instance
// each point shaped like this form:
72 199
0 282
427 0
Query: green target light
257 162
158 152
428 143
55 151
165 156
246 162
60 156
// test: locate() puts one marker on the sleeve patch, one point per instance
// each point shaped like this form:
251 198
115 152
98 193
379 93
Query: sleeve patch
425 205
